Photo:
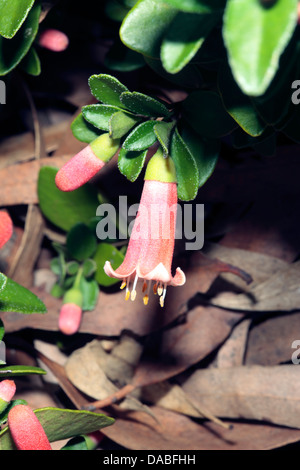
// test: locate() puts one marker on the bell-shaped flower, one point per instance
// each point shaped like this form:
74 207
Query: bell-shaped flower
151 246
86 163
6 228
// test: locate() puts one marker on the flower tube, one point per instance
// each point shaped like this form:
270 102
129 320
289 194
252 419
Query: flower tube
151 246
86 163
26 430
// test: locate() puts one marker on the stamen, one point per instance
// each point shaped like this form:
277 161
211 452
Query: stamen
146 296
133 292
127 293
123 284
155 288
162 298
160 289
144 286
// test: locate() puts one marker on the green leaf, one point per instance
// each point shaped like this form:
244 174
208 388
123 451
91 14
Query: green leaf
120 123
122 59
186 168
90 292
12 51
255 35
205 152
238 105
81 242
145 105
31 63
115 10
107 89
206 114
83 130
131 163
106 252
99 114
62 424
163 131
145 25
89 267
18 371
12 15
184 38
197 6
141 138
76 443
16 298
65 209
72 268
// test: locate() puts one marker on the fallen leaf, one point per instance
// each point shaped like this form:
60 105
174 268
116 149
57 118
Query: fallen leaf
269 394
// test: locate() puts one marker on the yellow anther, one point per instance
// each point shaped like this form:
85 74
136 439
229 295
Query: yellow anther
123 285
133 295
160 290
161 301
127 295
146 299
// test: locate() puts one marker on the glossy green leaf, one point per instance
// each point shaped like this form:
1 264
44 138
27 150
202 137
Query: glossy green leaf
184 38
99 114
186 168
106 252
62 424
141 138
107 89
83 130
163 131
197 6
12 51
145 25
255 35
145 105
65 209
120 123
18 371
16 298
131 163
205 152
206 114
90 292
12 15
81 242
31 63
238 105
122 59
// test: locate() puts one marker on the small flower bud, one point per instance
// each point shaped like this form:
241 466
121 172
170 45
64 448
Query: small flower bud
71 312
6 228
7 391
26 430
54 40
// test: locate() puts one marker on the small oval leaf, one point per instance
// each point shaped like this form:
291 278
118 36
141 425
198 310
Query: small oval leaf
141 138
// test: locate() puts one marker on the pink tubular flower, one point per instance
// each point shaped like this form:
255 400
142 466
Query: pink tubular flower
71 312
85 164
151 245
6 228
26 430
54 40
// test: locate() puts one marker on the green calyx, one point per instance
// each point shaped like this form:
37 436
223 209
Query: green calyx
104 147
73 296
161 168
3 405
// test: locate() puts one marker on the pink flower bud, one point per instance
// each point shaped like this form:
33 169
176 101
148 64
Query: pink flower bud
53 40
7 390
26 430
69 318
6 228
